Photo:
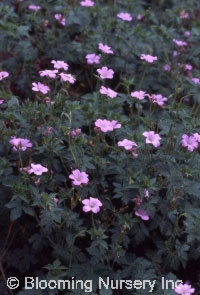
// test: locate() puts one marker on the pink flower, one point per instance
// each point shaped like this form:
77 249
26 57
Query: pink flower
20 143
158 99
146 193
55 200
196 80
49 101
34 7
139 17
76 132
67 77
184 289
59 64
127 144
92 58
49 73
190 142
187 34
148 58
24 144
179 43
105 125
152 138
57 16
3 75
184 14
115 125
197 137
105 48
15 142
139 94
137 200
134 152
79 177
188 67
175 53
48 131
37 169
105 73
91 204
40 87
87 3
25 169
166 68
142 213
1 101
60 18
125 16
107 91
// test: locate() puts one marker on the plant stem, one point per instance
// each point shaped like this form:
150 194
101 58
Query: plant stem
143 76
